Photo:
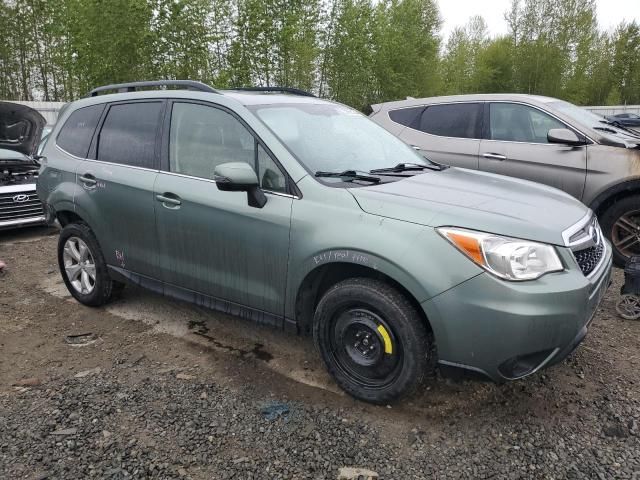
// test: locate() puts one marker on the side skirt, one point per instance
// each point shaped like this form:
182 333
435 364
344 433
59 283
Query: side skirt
224 306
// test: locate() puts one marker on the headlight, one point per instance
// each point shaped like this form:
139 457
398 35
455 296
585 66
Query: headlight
508 258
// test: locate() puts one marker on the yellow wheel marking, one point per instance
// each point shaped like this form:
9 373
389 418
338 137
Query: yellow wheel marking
388 346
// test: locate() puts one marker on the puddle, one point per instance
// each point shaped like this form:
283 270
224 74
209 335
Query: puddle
201 329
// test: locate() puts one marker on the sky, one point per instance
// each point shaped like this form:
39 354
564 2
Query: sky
457 12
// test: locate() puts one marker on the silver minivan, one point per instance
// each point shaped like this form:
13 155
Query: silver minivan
542 139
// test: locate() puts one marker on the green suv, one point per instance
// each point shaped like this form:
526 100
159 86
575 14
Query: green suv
284 209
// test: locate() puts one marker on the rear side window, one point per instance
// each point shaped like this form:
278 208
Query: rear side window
75 135
128 134
408 117
460 120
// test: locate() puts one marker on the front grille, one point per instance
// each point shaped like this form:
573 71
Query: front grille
15 206
589 258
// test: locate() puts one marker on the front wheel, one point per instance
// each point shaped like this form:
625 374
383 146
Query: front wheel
621 225
372 340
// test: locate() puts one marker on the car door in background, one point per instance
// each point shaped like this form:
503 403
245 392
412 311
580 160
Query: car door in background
212 242
447 133
516 144
116 185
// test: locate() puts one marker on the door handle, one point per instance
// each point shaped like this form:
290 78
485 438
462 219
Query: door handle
169 200
494 156
88 180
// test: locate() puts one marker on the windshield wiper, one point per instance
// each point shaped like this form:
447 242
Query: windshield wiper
408 167
619 125
348 175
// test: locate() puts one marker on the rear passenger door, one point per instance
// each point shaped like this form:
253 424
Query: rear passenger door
447 133
212 242
516 145
116 185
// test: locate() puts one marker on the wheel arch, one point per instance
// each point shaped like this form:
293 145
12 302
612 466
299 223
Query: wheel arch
323 277
611 195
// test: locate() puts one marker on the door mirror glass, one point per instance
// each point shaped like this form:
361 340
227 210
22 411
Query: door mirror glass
564 136
240 177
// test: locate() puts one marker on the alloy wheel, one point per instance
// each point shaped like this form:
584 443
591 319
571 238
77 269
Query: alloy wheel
625 234
79 265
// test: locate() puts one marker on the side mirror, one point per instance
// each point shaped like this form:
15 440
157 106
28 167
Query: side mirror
565 137
240 177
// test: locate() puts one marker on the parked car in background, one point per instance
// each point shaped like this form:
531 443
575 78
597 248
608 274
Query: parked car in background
21 132
297 212
542 139
626 119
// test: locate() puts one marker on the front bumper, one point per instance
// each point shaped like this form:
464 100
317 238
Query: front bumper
508 330
20 206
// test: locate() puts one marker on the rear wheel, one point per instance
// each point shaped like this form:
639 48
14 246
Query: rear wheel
372 340
621 225
82 266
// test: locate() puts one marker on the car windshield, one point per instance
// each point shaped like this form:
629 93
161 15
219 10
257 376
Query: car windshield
580 115
335 138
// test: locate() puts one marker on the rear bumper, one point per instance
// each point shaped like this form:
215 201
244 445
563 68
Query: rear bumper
506 330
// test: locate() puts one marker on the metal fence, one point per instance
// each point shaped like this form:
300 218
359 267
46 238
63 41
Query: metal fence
614 110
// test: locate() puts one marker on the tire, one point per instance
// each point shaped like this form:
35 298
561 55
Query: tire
102 288
626 206
372 340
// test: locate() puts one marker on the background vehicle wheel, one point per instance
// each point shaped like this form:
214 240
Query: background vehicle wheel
372 340
82 266
628 307
621 225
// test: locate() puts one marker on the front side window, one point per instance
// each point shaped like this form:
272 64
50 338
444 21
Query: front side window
203 137
75 135
459 120
332 137
514 122
128 134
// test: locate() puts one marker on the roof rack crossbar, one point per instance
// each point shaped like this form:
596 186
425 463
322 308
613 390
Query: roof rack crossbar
134 86
294 91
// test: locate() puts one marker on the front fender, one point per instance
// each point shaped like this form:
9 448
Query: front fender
415 256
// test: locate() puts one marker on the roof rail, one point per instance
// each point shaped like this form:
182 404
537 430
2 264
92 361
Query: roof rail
134 86
294 91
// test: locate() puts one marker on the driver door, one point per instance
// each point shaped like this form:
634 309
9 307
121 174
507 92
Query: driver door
211 241
515 144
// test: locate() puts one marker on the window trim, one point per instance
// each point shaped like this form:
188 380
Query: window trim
95 129
486 131
426 106
93 149
291 189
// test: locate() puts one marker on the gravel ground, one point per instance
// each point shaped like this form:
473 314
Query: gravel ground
147 400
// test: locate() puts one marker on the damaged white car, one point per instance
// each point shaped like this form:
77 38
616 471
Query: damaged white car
21 137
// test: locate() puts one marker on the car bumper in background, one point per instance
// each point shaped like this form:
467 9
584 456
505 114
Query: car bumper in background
20 206
508 330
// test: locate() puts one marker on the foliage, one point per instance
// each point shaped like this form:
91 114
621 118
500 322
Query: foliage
354 51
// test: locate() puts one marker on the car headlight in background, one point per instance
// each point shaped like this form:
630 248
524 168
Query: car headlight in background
507 258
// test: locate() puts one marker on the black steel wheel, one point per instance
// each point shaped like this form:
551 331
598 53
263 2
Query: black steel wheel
372 340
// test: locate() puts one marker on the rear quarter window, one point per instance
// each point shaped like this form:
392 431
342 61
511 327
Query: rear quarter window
76 133
406 116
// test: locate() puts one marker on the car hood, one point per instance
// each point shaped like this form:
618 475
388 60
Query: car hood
476 200
20 128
